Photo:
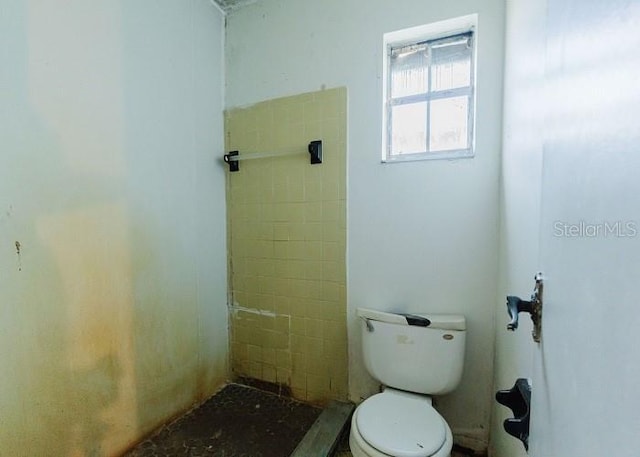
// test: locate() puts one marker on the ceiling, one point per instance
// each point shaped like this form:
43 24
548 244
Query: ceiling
230 5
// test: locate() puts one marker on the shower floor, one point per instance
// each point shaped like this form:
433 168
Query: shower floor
238 421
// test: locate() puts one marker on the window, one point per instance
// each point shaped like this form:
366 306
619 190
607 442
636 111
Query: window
429 98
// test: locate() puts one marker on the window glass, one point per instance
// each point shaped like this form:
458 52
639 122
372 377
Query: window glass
448 124
409 71
409 128
450 65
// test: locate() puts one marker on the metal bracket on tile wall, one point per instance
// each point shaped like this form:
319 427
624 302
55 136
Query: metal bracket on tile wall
233 158
315 150
234 165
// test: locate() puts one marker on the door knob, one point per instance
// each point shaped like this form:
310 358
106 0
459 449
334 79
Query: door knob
517 305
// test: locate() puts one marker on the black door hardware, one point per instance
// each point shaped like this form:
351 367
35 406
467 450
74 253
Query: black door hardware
518 399
517 305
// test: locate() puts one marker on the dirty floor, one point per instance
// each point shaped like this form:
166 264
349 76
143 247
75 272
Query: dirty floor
238 421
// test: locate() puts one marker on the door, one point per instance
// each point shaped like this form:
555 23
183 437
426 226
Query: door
586 383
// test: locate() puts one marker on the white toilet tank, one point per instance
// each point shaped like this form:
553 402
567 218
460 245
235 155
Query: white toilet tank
421 353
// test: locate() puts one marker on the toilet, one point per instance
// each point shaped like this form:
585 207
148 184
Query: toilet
415 357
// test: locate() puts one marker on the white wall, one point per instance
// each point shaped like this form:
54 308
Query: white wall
422 236
112 226
520 201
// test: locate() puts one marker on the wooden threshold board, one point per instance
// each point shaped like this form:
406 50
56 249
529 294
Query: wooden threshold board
323 436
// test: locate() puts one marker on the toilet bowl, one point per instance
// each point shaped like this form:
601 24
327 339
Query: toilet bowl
399 424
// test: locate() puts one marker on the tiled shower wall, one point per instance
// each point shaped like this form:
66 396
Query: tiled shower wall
287 239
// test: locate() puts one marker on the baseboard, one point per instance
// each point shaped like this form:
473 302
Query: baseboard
273 387
473 439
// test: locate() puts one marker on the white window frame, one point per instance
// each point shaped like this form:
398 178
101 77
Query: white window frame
421 34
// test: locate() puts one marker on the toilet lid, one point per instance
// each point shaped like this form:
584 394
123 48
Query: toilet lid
401 425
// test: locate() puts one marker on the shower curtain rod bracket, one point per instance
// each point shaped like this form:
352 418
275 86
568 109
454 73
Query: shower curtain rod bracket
315 149
234 165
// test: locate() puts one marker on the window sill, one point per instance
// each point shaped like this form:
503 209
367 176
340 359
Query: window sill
445 155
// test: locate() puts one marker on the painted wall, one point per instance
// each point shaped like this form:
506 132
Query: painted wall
112 234
421 236
287 235
522 146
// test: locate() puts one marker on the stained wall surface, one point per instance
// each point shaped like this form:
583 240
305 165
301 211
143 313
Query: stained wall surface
287 235
112 227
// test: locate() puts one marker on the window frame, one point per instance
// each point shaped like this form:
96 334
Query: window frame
451 29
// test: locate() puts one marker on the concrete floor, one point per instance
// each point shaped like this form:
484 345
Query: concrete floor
238 421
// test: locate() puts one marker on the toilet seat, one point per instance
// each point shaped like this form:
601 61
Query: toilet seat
401 424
